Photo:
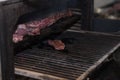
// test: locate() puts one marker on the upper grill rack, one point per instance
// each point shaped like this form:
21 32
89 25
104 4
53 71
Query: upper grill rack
82 51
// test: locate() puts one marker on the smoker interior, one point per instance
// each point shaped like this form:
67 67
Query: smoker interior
83 50
41 61
53 30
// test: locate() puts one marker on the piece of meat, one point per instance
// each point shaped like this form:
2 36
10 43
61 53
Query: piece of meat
34 27
17 38
57 44
21 30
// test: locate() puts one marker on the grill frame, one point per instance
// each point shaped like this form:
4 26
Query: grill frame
9 13
93 61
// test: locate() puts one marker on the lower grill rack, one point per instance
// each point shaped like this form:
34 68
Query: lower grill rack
84 52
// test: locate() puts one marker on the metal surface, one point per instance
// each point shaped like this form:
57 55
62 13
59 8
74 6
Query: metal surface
106 25
53 4
116 57
6 52
87 8
84 52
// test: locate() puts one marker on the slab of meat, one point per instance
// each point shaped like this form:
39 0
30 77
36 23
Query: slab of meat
34 27
57 44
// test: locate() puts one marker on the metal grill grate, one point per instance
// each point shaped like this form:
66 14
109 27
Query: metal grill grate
82 51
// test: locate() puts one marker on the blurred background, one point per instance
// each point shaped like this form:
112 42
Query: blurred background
107 16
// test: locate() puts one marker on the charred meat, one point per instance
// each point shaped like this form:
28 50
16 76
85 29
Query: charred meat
34 27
